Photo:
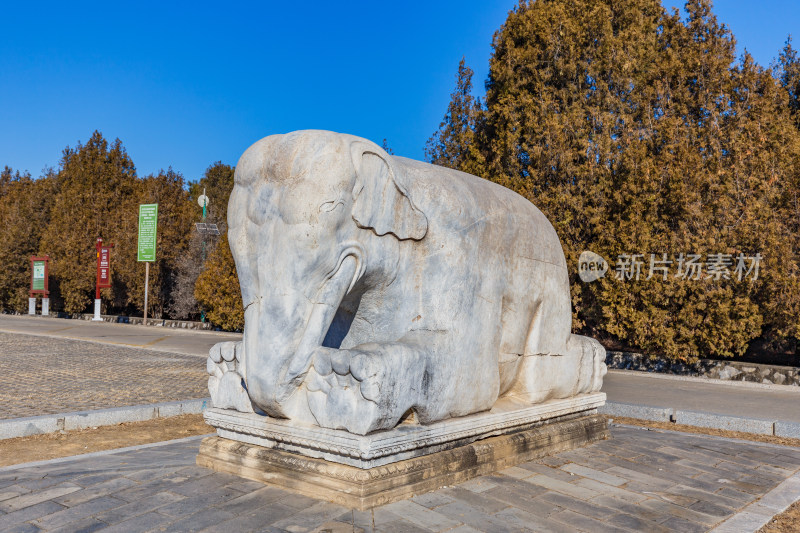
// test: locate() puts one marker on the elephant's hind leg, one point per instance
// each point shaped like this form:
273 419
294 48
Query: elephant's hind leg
579 369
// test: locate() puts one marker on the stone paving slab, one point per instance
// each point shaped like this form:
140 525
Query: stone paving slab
640 480
73 375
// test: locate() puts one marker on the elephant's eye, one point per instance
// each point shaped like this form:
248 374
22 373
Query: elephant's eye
329 206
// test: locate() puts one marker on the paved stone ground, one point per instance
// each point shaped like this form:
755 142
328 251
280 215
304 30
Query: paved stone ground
640 480
43 375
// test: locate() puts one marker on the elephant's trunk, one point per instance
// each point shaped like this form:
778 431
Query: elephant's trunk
283 328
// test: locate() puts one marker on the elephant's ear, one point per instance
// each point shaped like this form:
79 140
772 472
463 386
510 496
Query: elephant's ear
381 200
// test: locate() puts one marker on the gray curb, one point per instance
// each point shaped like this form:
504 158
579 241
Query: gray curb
35 425
642 412
758 426
730 423
787 429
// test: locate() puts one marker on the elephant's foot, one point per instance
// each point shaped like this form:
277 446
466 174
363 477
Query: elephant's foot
225 383
598 361
364 389
580 369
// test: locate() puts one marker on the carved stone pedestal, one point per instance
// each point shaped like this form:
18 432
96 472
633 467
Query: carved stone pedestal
371 470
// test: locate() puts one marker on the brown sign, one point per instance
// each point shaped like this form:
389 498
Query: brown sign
39 274
104 267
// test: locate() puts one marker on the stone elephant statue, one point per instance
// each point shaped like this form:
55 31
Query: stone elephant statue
377 288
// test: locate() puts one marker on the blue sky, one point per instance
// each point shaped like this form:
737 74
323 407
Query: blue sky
187 84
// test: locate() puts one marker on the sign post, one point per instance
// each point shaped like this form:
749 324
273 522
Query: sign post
103 273
203 201
148 221
39 278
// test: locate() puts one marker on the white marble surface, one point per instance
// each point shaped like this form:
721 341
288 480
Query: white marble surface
376 286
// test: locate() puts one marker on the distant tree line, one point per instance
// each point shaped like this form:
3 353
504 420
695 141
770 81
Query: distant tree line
637 131
95 192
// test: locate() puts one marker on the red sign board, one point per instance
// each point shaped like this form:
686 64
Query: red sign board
39 275
103 267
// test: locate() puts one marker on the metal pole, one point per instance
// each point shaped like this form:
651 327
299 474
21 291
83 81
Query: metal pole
98 244
31 294
146 283
204 220
202 311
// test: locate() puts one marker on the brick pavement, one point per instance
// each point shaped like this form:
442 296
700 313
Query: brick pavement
44 375
641 480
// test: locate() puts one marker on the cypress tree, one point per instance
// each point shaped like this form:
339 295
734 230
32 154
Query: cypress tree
97 191
637 132
454 144
218 291
25 205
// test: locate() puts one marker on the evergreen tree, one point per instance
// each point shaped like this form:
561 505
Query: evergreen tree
454 144
25 205
217 181
175 217
218 291
637 132
789 71
97 194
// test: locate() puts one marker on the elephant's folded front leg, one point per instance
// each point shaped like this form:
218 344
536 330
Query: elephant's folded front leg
367 388
225 382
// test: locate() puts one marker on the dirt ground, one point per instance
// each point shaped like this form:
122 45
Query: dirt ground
707 431
786 522
53 445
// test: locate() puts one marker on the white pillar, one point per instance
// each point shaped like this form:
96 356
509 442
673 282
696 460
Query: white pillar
31 306
97 310
45 306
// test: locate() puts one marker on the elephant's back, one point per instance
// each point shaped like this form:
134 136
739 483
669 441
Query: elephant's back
460 203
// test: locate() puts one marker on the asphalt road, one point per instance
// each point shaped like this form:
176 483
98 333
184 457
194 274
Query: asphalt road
730 398
746 400
162 339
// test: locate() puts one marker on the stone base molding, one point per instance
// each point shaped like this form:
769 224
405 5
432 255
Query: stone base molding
405 441
366 488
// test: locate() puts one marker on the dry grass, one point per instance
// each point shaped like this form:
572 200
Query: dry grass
69 443
786 522
783 441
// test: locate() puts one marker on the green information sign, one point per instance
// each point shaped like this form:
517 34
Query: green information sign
38 276
148 218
